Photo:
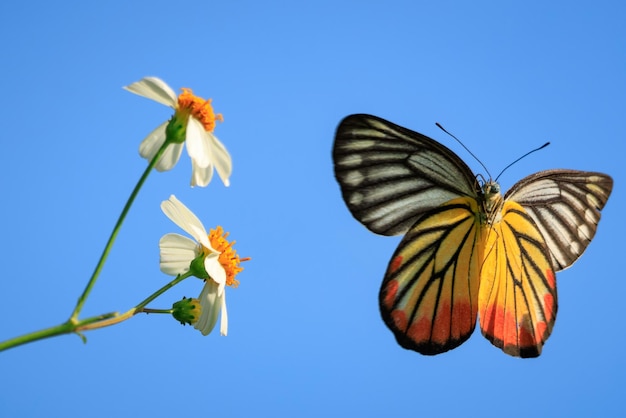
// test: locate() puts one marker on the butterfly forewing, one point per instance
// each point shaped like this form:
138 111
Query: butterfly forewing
565 205
390 175
430 291
517 297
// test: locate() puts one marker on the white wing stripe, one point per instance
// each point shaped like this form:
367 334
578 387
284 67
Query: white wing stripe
565 205
390 175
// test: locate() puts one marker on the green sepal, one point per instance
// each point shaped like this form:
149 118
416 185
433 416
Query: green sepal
176 130
196 268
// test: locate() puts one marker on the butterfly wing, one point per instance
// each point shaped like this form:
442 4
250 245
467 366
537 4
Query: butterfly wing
393 179
430 292
547 221
565 205
390 175
517 297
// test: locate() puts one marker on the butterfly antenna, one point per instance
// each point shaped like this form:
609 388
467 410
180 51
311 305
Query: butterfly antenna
523 156
466 149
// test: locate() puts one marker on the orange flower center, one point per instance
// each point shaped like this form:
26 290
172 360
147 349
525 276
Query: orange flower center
228 257
199 108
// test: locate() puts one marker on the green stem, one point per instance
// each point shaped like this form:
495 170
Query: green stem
95 322
65 328
116 229
73 324
164 311
137 309
37 335
162 290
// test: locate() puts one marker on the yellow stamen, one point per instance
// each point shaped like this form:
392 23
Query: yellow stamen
199 108
228 256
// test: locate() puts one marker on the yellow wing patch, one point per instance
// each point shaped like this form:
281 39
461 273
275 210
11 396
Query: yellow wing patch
430 291
449 267
517 297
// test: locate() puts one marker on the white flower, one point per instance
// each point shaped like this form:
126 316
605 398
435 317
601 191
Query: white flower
178 251
197 120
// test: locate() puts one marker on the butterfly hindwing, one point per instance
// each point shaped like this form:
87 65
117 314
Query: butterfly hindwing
517 296
390 175
430 292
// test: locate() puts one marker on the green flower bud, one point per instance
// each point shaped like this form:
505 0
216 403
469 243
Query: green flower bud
187 311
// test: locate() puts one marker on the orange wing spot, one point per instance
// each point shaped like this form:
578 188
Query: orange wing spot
548 302
499 326
399 319
394 264
510 331
420 331
526 339
540 330
492 321
463 318
512 336
441 324
391 289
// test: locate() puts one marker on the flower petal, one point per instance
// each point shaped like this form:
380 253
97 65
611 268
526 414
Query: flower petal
198 145
204 240
176 253
224 317
201 176
170 157
151 144
184 218
215 269
155 89
210 304
221 159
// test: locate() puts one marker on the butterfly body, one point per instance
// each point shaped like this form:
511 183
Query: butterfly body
467 251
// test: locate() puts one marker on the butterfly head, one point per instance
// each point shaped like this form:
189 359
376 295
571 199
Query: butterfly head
491 188
492 200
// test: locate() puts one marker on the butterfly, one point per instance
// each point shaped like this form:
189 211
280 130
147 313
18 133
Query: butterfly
467 251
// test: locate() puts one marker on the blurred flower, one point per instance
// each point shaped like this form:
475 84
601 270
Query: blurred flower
193 122
219 262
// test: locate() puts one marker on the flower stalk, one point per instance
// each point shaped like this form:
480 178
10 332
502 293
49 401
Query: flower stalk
116 229
74 326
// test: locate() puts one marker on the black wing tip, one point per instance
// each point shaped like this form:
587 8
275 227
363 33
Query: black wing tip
363 120
356 117
430 349
533 351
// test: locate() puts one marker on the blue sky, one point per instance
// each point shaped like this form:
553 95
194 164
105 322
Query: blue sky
305 336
